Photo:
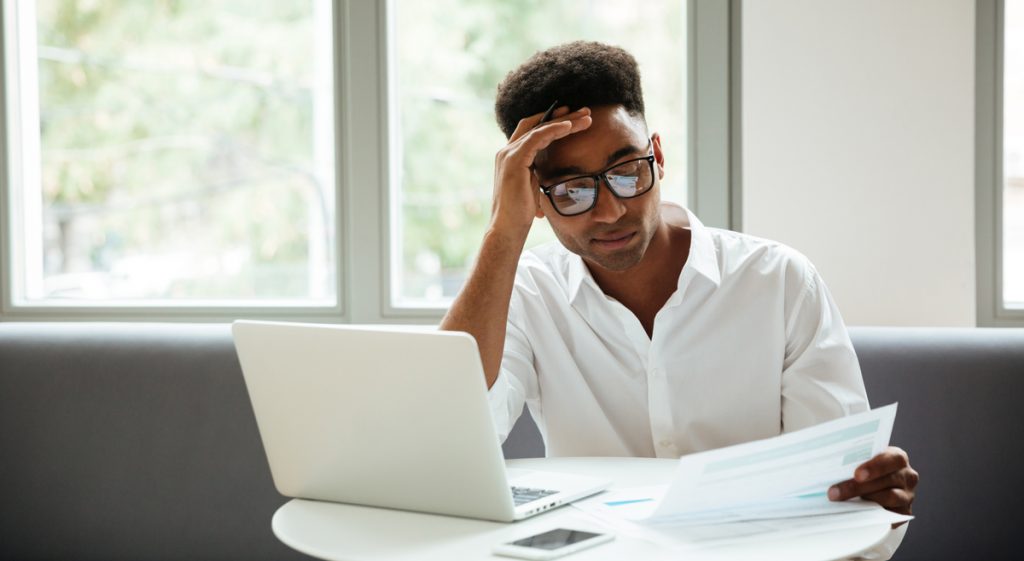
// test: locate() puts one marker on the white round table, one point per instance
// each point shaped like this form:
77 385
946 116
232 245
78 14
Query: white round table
342 532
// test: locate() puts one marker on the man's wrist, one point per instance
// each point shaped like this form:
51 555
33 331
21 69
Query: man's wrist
509 236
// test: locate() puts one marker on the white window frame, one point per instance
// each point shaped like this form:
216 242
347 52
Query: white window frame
362 134
989 187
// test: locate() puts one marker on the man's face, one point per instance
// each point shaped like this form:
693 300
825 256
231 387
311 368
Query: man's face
615 233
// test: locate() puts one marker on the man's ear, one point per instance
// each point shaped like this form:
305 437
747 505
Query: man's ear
659 156
535 183
539 213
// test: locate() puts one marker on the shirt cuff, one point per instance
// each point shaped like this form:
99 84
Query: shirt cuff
884 549
497 400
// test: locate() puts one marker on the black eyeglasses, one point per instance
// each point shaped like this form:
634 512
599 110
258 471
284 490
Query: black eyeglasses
625 180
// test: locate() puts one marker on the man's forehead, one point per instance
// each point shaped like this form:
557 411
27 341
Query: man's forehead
612 134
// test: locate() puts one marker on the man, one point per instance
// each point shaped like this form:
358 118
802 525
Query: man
643 332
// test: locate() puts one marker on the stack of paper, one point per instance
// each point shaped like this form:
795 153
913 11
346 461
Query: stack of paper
772 486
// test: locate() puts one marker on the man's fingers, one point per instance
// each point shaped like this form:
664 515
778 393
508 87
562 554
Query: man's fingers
896 500
889 460
851 488
886 479
549 132
528 124
525 149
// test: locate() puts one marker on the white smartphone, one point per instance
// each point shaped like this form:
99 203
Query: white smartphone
552 544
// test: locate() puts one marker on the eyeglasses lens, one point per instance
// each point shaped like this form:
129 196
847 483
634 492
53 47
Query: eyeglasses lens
627 180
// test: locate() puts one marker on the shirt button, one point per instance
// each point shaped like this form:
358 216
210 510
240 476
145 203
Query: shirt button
665 443
657 373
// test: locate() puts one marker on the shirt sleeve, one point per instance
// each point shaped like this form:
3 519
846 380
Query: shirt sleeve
885 549
821 378
517 378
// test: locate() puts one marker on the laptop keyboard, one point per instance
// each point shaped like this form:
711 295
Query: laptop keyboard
523 495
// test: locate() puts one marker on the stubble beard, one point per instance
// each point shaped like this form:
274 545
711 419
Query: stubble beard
619 260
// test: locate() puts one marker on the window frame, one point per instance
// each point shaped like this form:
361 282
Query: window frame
363 133
989 184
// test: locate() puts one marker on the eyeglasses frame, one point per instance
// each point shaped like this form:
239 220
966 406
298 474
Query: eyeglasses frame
598 178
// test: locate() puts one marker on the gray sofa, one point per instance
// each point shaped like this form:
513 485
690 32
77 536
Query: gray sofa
137 442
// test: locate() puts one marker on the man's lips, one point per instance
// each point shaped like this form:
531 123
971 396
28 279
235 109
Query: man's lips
613 240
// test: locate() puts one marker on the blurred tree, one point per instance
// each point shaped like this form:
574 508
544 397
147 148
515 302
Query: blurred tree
179 131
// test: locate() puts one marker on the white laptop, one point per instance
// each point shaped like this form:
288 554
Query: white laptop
387 418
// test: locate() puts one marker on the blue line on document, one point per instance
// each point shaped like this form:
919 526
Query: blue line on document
630 501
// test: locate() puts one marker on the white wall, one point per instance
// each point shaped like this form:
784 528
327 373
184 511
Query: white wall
858 149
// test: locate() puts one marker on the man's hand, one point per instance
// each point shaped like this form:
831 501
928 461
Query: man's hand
481 308
516 188
886 479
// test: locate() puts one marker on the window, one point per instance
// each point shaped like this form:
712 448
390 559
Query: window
999 149
170 153
1013 156
323 160
445 135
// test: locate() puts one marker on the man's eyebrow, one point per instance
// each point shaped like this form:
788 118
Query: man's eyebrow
562 172
621 152
576 170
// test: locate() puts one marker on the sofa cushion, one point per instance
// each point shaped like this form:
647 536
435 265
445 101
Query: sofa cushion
137 441
129 442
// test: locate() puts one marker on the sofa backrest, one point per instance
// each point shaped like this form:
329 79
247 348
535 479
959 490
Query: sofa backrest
130 442
960 419
137 441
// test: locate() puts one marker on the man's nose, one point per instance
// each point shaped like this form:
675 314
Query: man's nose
608 208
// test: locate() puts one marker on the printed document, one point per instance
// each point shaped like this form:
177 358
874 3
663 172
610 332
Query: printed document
783 473
769 485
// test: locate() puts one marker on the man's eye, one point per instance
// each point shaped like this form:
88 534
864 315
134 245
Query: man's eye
573 185
581 194
623 181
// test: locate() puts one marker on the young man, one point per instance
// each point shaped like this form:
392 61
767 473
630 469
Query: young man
643 332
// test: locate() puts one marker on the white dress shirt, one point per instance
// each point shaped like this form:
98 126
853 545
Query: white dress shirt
749 346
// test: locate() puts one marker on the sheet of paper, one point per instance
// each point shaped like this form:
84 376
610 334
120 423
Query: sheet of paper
640 503
690 536
787 472
626 512
768 488
634 503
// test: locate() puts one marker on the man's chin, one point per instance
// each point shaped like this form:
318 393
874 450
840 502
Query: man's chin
617 261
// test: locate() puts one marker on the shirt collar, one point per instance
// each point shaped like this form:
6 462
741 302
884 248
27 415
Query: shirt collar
577 274
703 260
703 257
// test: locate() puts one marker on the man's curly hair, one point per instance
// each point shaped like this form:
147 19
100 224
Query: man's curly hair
577 74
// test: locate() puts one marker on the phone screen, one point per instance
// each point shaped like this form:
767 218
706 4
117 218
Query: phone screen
555 539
